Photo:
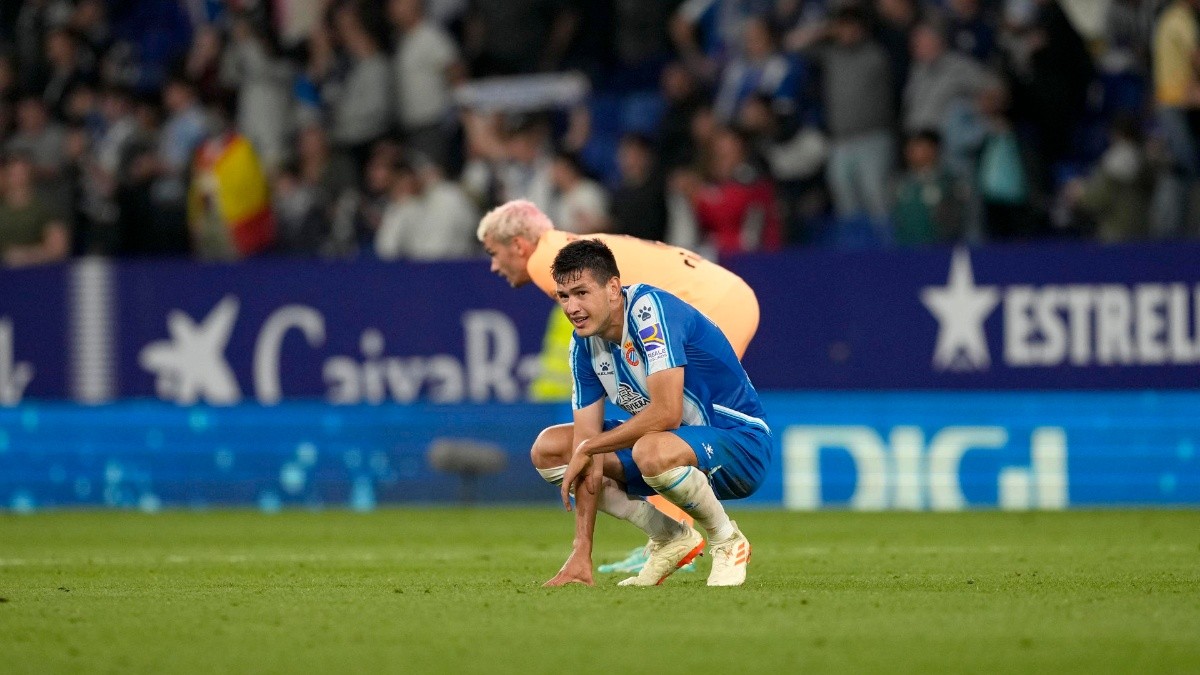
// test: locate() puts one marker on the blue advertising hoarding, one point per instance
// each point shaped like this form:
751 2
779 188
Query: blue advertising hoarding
363 332
1036 317
1045 316
870 451
34 333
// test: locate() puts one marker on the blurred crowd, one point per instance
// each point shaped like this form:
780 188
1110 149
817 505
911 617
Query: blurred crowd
223 129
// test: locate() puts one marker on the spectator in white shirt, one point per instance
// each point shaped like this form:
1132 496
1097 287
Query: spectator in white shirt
402 216
427 216
362 102
426 65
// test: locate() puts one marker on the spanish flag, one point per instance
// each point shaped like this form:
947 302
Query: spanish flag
229 205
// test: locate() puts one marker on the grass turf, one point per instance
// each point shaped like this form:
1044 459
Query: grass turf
441 590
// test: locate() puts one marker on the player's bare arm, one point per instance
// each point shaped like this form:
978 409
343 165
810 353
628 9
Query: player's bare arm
588 423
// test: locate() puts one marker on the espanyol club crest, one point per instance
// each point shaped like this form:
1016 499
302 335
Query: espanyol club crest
631 355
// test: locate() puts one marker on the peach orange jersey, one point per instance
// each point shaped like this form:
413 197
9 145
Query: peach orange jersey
719 294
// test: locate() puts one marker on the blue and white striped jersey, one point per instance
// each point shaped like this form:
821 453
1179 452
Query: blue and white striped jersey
661 332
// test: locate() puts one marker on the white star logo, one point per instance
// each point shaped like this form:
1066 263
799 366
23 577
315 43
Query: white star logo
960 308
191 365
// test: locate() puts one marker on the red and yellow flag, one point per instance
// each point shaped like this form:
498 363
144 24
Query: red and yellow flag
228 182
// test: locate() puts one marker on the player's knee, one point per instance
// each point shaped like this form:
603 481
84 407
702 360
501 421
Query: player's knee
656 453
551 448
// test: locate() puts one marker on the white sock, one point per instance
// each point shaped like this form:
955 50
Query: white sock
554 475
617 503
687 487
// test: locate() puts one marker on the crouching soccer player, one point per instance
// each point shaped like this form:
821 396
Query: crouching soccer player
696 434
522 243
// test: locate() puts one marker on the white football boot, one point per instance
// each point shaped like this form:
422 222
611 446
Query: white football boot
667 556
729 560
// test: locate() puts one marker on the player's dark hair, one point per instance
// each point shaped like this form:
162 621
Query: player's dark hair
584 254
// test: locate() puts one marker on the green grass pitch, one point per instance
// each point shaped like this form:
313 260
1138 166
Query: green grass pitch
457 591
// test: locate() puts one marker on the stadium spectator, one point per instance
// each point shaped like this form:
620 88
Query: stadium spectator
34 19
450 216
427 216
43 141
525 167
794 20
31 233
860 122
1002 176
683 97
1050 93
426 65
185 127
331 177
795 152
482 152
707 33
403 218
302 228
939 80
100 172
65 71
736 211
893 29
361 103
1126 40
760 69
293 20
203 65
639 204
930 205
75 204
1177 103
120 126
89 24
1116 194
82 109
144 226
264 90
149 38
369 205
580 203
